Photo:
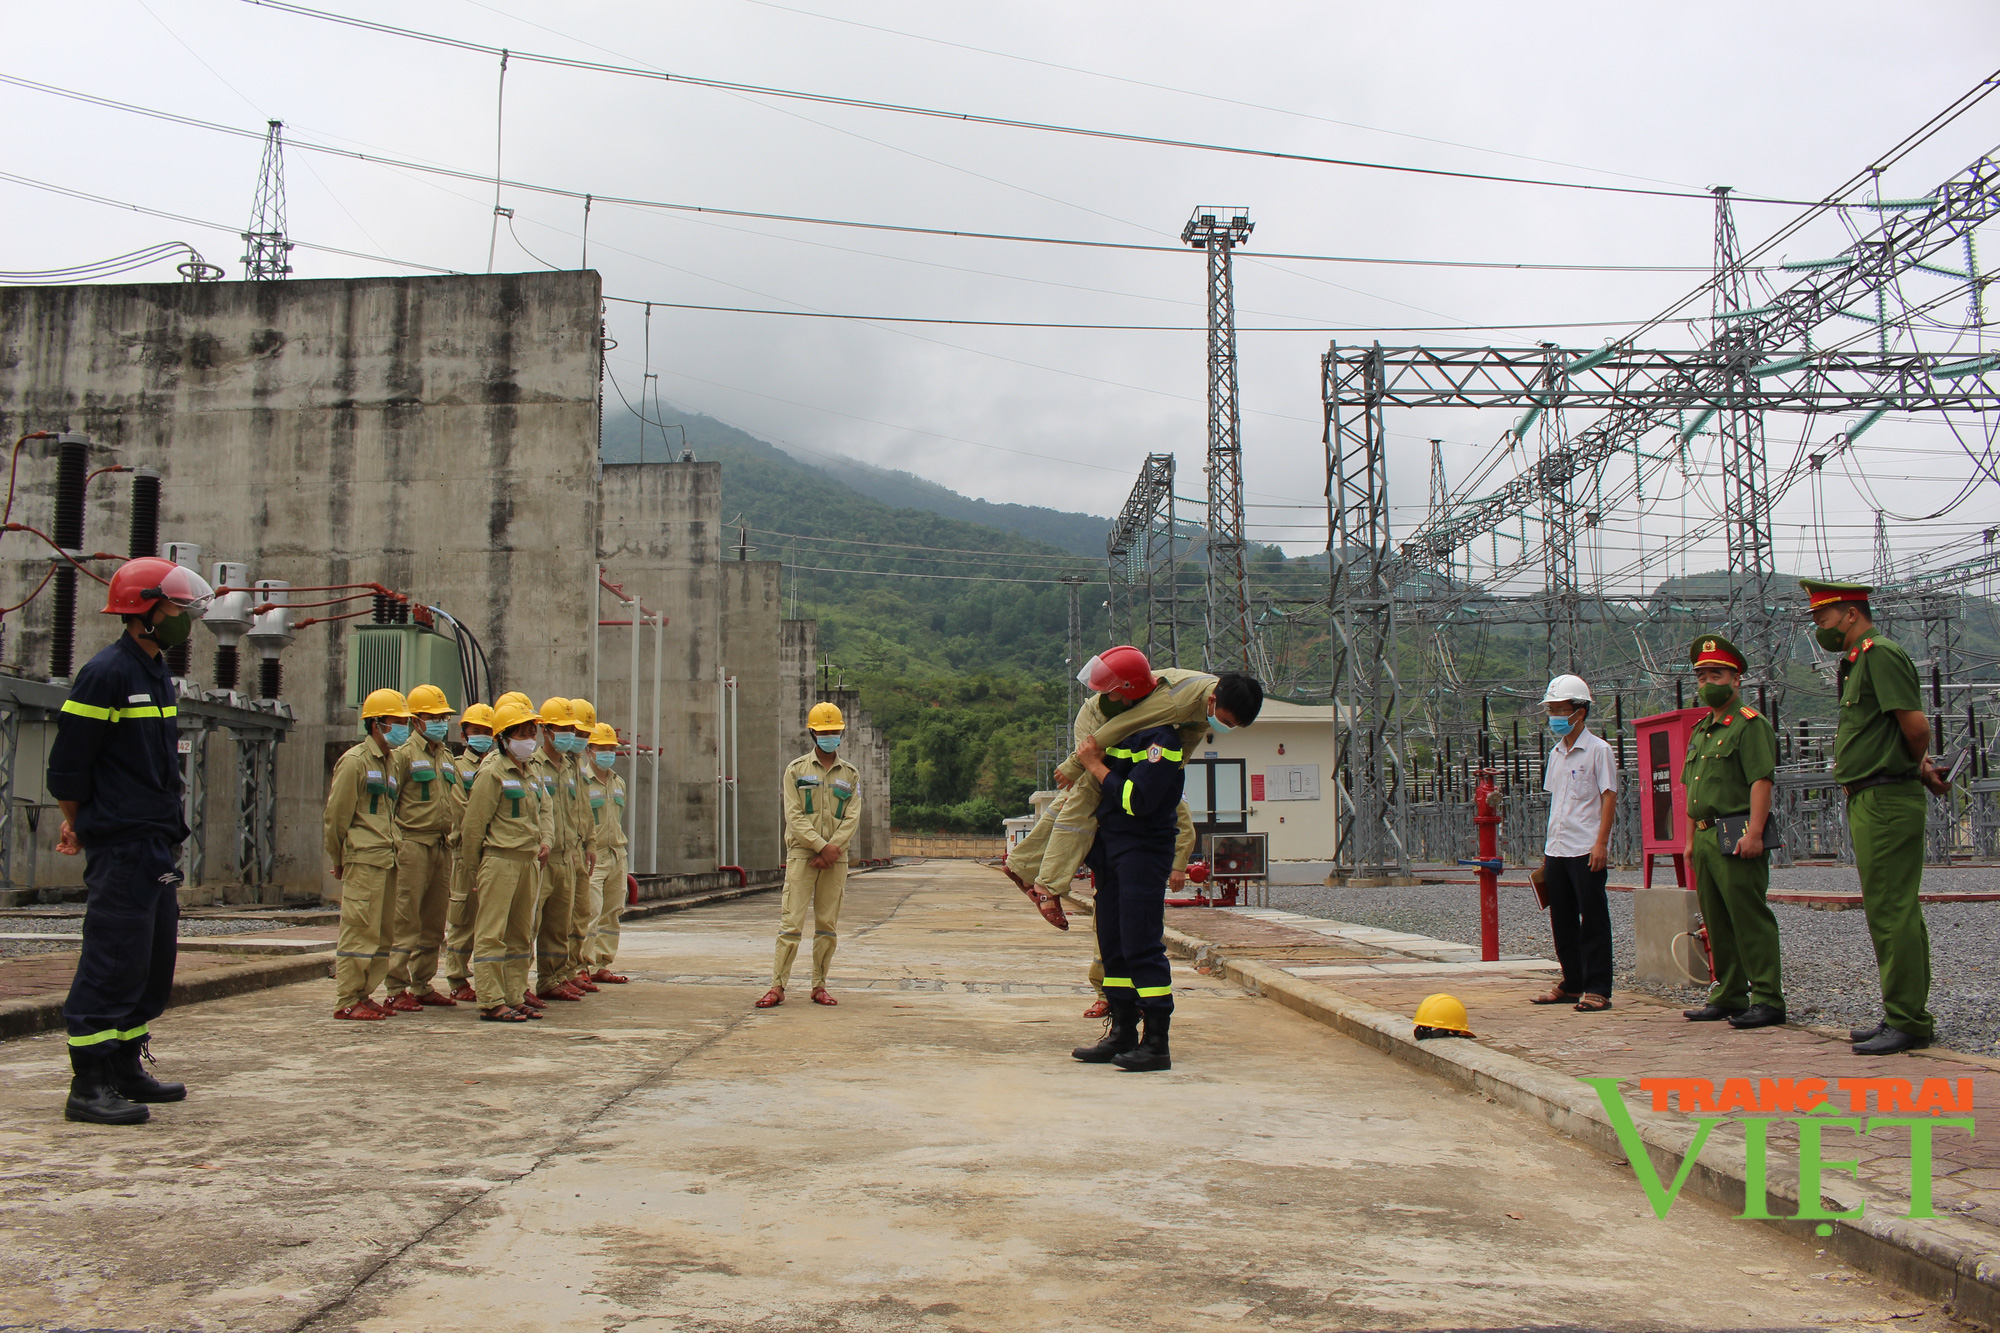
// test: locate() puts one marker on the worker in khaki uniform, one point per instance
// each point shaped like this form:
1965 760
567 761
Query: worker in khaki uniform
361 840
1881 759
1184 840
557 899
501 835
477 729
1731 757
822 811
607 877
425 818
1134 697
583 855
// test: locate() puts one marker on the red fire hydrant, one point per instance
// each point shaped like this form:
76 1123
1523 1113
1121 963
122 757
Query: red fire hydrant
1489 864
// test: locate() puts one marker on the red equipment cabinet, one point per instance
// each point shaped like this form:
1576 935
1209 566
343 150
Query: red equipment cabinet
1663 745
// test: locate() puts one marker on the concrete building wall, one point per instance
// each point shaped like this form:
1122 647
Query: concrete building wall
437 435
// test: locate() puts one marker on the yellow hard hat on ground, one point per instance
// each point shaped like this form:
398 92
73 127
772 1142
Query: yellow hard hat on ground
584 712
604 734
385 703
556 713
429 700
515 697
511 713
478 715
825 717
1441 1016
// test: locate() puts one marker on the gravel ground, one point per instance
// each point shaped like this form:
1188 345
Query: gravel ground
1829 963
67 925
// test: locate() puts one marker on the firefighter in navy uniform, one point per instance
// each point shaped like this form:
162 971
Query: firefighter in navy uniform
1138 823
115 769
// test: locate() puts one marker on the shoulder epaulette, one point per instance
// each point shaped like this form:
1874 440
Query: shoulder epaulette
1866 644
1749 711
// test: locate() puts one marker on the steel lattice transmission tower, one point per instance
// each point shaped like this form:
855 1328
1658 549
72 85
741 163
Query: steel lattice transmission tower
1746 494
267 251
1073 642
1144 575
1219 231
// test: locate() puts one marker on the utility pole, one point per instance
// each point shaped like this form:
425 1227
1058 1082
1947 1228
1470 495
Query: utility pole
1074 644
266 254
1219 231
1746 495
1885 564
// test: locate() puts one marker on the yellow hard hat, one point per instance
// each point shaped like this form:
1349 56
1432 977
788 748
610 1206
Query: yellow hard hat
825 717
583 711
429 699
479 715
604 734
511 713
515 697
556 713
385 703
1442 1013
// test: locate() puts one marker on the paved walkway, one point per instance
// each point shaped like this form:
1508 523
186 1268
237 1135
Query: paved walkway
1639 1037
924 1157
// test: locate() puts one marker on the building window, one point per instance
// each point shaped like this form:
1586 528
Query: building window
1216 794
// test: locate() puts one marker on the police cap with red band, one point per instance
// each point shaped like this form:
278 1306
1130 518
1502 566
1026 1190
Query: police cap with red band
1711 649
1820 592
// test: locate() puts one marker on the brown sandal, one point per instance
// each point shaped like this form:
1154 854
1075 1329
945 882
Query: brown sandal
1592 1003
772 998
1556 995
1051 910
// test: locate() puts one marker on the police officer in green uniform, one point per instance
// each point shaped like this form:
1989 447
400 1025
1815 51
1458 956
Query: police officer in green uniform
1880 758
1730 759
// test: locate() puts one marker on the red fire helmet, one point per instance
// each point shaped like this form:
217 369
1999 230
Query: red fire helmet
1122 672
140 583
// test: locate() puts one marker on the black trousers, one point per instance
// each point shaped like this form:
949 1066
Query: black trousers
131 918
1580 920
1131 918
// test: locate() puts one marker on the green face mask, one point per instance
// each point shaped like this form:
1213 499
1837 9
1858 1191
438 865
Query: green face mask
174 630
1715 696
1832 639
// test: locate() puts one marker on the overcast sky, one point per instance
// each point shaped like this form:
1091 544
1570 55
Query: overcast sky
1786 100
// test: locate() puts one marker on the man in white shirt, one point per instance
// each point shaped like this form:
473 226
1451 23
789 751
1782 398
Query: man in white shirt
1582 783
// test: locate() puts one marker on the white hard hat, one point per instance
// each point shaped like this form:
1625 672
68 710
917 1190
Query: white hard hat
1567 689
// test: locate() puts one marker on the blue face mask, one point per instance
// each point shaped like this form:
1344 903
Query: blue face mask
567 742
397 734
437 731
1217 725
1559 725
479 744
605 759
827 743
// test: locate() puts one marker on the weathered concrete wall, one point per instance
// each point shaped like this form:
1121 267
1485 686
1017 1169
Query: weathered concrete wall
751 609
437 435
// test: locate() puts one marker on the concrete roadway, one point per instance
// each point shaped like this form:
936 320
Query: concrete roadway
925 1156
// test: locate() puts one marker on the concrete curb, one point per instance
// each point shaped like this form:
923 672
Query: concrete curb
662 906
23 1018
1947 1259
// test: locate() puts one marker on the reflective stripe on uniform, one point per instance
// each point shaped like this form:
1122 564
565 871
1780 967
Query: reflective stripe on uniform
1127 802
110 1034
1118 981
116 714
1148 992
1137 755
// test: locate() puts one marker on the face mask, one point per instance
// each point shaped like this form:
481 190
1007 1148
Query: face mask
479 744
1559 725
1832 638
570 743
1715 696
397 734
1217 725
605 759
437 731
174 630
522 748
827 743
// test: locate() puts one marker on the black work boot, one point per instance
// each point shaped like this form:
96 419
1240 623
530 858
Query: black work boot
1151 1053
134 1081
93 1093
1121 1031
